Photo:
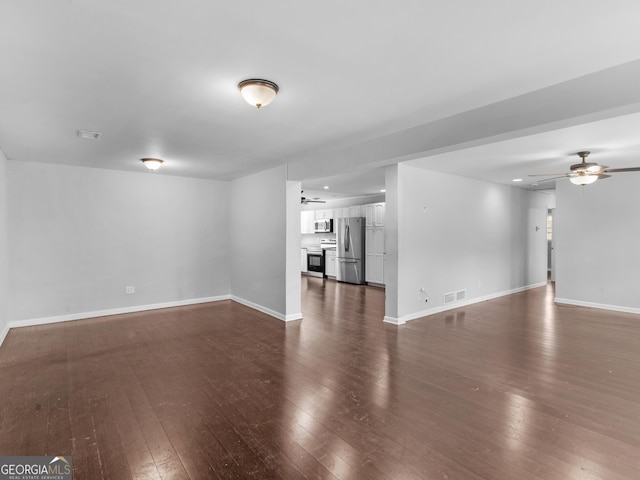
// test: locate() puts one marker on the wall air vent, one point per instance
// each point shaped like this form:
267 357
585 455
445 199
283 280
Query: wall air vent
455 296
89 135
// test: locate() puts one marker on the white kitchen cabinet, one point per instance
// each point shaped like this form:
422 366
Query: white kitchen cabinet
368 214
374 214
355 211
303 260
378 217
307 221
374 255
323 214
330 264
341 213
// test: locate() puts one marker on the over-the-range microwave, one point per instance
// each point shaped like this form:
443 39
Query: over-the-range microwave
325 225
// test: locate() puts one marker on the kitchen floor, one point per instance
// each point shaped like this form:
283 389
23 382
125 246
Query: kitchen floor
512 388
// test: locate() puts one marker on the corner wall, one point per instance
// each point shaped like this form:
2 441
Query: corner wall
455 233
597 234
79 236
261 248
4 248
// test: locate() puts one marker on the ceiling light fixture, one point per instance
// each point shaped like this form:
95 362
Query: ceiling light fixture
583 178
152 163
516 180
326 187
258 92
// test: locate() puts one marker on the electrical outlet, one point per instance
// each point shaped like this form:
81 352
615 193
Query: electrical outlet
423 293
129 290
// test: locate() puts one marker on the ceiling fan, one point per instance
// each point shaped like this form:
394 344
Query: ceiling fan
584 173
306 201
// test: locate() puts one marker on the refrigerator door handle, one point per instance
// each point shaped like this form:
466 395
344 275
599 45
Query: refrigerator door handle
346 238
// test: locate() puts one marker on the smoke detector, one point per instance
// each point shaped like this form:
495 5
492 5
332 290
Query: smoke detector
89 135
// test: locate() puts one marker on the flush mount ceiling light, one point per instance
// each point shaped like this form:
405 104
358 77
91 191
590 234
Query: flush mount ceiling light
152 163
258 92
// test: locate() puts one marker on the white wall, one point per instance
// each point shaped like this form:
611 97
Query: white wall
4 248
456 233
393 253
260 206
597 239
79 236
293 288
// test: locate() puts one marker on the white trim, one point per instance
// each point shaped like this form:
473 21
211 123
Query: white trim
579 303
268 311
453 305
112 311
394 320
4 333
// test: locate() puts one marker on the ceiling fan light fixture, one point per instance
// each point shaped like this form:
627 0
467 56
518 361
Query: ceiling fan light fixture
583 179
258 92
152 163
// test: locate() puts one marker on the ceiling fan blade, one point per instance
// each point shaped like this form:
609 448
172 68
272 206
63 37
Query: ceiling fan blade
546 174
602 176
618 170
550 179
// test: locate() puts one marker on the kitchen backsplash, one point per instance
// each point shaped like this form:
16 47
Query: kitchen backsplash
314 238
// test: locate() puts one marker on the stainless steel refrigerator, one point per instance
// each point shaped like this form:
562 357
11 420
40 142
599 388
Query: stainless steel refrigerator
350 251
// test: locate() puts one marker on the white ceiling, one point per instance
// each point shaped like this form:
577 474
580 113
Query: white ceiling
159 78
613 142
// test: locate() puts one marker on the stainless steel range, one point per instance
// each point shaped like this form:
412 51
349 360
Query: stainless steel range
315 261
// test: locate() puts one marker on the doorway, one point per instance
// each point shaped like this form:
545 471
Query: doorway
551 252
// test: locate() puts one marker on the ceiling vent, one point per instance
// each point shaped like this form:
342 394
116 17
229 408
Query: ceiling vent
89 135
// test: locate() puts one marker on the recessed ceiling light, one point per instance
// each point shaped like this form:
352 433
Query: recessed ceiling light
383 190
89 135
516 180
326 187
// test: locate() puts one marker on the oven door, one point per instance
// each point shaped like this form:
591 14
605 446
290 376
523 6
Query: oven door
315 262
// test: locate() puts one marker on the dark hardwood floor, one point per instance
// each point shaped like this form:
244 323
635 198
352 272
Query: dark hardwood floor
513 388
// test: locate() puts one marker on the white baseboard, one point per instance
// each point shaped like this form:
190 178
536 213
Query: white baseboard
394 320
268 311
141 308
113 311
4 332
579 303
432 311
